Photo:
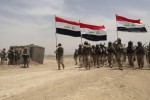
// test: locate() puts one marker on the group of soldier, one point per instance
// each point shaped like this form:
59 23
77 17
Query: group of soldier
13 56
99 55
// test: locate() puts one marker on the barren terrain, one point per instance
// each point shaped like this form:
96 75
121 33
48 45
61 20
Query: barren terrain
45 82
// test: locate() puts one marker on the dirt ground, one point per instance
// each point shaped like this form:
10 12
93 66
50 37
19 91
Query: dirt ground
45 82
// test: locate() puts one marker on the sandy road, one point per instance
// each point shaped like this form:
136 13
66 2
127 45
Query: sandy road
45 82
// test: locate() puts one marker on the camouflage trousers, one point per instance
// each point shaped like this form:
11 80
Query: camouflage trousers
26 61
120 60
87 61
80 60
110 59
75 58
131 59
103 60
140 60
97 59
60 61
148 59
93 60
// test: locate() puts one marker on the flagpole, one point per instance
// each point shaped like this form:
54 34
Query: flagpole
81 34
55 32
116 27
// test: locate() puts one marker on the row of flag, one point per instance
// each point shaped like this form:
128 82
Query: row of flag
94 32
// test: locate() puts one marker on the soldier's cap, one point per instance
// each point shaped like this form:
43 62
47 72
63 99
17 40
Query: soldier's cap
59 44
4 49
119 39
85 42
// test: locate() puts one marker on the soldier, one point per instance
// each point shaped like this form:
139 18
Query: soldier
98 53
59 56
148 54
119 53
86 54
111 53
3 56
26 58
76 56
103 55
140 55
80 55
130 53
93 55
11 56
17 56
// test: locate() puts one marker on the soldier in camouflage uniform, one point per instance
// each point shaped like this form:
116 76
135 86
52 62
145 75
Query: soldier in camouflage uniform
140 52
119 53
11 56
59 56
103 55
130 53
93 55
111 53
98 53
26 58
17 56
86 54
148 54
76 56
3 56
80 55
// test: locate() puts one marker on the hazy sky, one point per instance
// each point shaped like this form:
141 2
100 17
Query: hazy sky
25 22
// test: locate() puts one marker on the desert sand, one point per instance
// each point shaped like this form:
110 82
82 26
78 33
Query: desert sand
45 82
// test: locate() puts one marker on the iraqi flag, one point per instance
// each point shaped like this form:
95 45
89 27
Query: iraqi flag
66 27
93 32
129 25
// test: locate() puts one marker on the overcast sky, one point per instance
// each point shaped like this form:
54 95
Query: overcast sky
24 22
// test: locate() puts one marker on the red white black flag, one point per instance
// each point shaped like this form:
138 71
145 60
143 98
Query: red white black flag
67 27
129 25
93 32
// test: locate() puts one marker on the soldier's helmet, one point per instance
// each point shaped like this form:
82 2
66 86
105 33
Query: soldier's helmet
4 49
93 46
100 45
130 43
59 44
139 43
118 40
80 45
97 45
85 43
109 43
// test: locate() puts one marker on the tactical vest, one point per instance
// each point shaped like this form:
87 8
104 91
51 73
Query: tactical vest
130 50
140 50
60 51
110 49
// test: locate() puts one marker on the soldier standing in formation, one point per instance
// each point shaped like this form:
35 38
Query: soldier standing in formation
140 52
26 59
148 54
3 56
11 56
86 55
119 53
93 55
76 56
98 53
80 55
59 56
111 53
131 53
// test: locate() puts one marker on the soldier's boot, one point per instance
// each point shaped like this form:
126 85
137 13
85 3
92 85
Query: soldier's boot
139 66
63 66
58 66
